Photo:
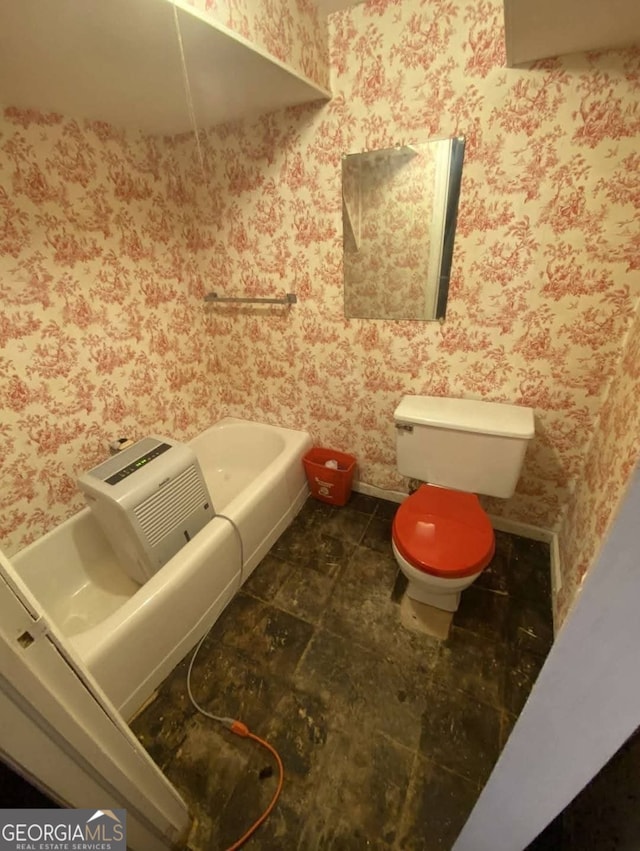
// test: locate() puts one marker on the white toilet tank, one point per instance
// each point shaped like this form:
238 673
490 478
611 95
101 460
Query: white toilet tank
462 444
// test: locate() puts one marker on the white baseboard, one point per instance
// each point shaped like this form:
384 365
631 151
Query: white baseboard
535 533
502 524
380 493
556 567
525 530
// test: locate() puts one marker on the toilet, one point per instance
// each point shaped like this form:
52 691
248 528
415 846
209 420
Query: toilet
442 538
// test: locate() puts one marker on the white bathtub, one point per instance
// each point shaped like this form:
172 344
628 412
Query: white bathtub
131 637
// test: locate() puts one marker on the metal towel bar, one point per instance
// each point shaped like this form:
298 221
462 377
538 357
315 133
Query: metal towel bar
288 298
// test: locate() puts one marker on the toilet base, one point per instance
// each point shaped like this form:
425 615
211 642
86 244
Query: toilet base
444 600
432 590
419 617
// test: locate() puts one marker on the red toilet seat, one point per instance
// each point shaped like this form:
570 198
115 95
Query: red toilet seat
444 533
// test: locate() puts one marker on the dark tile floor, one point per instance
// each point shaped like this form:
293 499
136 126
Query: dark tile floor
387 735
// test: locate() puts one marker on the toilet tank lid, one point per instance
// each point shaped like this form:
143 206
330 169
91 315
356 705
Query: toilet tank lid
467 415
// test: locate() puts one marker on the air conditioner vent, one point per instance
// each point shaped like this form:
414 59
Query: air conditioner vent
151 499
167 509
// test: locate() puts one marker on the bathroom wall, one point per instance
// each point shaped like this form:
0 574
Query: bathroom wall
611 458
102 325
101 329
545 268
108 241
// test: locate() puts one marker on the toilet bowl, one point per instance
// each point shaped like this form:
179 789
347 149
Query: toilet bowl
442 540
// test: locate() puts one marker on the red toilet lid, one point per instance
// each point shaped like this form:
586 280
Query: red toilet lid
443 532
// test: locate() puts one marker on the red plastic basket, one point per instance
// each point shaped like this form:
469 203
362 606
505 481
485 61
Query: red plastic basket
327 483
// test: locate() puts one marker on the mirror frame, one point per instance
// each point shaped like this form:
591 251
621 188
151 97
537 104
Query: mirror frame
450 223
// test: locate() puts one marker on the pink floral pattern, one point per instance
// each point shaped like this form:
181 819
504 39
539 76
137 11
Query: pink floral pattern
101 328
387 200
610 462
108 241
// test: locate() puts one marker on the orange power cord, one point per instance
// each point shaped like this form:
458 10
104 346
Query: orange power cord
234 726
241 729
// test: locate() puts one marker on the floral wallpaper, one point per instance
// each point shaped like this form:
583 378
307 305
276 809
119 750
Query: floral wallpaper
546 272
108 242
101 325
612 456
388 199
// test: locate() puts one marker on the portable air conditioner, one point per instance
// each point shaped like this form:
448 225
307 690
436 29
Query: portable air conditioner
150 500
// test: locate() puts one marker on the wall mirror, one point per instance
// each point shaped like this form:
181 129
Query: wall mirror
399 211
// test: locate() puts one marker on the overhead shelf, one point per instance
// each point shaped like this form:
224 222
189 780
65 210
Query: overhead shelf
120 62
537 29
